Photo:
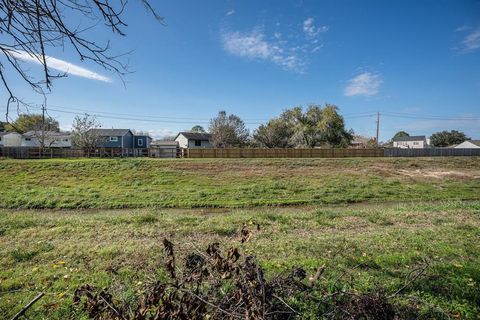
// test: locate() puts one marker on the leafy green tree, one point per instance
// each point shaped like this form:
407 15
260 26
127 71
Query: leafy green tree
400 134
228 131
332 127
2 126
317 126
198 129
305 125
32 122
276 133
446 138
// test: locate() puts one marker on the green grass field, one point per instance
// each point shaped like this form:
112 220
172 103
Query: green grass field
378 218
140 183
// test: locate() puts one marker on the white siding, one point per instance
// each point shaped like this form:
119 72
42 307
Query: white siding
182 141
409 144
54 142
12 139
203 144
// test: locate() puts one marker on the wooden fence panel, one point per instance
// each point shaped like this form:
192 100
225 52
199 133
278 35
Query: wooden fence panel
282 153
37 153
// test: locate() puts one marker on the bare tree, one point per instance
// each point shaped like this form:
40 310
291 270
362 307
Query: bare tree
84 135
31 28
228 131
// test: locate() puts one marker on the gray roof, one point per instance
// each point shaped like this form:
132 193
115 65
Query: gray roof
110 132
5 133
475 142
195 136
410 138
360 139
47 133
163 143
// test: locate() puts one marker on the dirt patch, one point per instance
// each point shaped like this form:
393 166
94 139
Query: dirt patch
439 174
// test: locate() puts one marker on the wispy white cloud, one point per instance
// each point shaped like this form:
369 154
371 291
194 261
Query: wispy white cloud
311 30
229 13
161 133
471 42
364 84
254 45
462 28
61 65
288 50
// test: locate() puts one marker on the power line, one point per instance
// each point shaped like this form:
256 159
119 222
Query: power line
426 117
141 116
186 120
158 119
133 118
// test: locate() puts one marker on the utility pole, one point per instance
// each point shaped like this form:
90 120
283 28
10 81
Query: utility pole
42 137
378 127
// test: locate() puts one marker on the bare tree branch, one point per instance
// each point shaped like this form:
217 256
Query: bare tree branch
33 27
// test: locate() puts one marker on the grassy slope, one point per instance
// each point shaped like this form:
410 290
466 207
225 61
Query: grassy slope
135 183
57 251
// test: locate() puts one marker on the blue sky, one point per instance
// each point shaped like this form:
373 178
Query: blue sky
417 62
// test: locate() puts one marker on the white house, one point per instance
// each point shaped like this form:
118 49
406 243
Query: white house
10 139
51 139
194 140
410 142
469 144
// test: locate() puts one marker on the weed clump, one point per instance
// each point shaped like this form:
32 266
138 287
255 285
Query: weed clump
217 284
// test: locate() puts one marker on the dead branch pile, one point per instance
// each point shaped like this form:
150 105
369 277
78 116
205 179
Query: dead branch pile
224 285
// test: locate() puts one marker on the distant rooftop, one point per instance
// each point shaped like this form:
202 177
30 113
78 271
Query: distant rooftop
7 132
110 132
47 133
163 143
196 135
360 139
475 142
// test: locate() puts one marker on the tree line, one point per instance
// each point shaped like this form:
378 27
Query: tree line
314 126
310 127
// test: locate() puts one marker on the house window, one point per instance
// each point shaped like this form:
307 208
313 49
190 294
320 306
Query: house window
65 140
28 139
140 142
198 143
415 143
113 139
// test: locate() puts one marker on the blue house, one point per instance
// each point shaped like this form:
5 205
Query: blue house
122 138
141 141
